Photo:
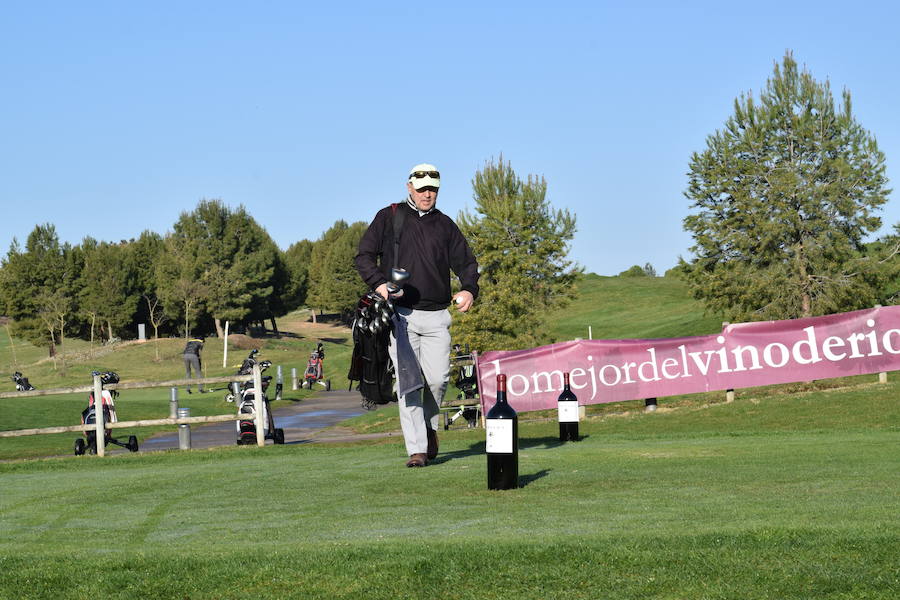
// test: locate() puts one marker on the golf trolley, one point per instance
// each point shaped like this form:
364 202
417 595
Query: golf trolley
246 369
89 417
246 428
22 384
466 405
315 372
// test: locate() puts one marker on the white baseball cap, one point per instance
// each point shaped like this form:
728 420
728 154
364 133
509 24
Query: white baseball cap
424 175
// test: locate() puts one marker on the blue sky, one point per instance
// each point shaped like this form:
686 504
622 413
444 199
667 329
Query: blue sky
117 116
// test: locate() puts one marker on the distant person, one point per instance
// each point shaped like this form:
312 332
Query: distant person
192 361
430 246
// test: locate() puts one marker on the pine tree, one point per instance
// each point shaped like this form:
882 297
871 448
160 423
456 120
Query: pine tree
784 196
521 244
342 288
296 259
319 274
37 287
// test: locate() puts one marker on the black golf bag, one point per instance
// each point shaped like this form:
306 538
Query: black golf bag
371 364
22 384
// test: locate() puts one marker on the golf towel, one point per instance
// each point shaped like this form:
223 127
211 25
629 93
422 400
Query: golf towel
409 374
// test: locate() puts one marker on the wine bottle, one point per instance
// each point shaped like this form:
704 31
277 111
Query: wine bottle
502 430
567 405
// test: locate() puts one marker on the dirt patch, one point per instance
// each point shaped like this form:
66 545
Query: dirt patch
244 342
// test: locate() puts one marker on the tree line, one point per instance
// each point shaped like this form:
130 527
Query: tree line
217 264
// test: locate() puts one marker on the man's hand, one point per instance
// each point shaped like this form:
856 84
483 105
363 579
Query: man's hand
463 300
382 291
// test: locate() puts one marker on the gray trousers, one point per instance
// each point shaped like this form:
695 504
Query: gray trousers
429 336
192 361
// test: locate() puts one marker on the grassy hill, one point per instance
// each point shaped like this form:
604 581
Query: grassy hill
633 307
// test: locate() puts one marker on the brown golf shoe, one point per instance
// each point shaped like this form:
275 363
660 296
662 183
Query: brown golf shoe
417 460
432 444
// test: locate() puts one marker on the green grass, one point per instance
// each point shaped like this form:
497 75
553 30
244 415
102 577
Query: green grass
788 496
633 307
788 492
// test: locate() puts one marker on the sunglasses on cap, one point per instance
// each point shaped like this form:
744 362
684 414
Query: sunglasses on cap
421 174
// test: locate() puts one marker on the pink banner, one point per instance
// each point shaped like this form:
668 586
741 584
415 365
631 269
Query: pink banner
743 355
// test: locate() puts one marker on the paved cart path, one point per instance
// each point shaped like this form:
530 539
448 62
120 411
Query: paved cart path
303 422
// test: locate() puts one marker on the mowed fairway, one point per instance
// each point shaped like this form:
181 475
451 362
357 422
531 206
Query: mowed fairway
785 496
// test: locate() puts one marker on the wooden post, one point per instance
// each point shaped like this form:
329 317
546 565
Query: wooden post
882 377
294 378
729 393
225 347
258 406
98 417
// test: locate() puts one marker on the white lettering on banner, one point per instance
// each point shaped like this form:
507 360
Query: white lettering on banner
593 379
702 366
548 379
669 362
684 362
785 354
577 372
810 343
614 368
853 338
512 383
754 355
873 340
886 341
687 359
723 357
652 363
833 342
627 369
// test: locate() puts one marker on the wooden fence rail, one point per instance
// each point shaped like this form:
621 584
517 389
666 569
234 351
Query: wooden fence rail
125 424
131 385
100 427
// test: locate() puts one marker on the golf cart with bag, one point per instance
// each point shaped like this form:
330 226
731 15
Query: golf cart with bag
246 428
246 369
467 404
315 372
21 381
89 417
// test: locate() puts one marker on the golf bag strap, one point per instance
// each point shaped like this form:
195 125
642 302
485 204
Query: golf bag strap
398 228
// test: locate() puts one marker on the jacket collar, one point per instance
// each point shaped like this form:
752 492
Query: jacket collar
412 205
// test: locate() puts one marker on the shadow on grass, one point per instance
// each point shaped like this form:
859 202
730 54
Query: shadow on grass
541 443
527 479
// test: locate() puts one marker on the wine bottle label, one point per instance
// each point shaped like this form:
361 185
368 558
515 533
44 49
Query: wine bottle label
499 436
568 411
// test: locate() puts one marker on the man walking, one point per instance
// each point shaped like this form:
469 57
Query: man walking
430 246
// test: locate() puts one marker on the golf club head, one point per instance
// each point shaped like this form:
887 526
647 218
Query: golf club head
399 276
